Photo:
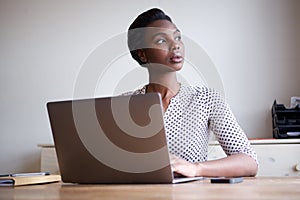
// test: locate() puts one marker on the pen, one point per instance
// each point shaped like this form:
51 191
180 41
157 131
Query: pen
26 174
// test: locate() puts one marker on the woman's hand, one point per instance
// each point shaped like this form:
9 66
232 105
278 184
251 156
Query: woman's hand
234 165
183 167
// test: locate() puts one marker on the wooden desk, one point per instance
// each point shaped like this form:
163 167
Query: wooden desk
251 188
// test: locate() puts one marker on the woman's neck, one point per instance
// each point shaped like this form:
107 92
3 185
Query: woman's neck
166 84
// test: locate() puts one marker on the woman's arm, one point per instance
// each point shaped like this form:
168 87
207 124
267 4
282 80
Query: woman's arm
231 166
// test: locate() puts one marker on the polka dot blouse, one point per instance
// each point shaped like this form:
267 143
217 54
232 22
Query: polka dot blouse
192 115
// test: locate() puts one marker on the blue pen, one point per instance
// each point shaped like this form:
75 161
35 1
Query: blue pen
26 174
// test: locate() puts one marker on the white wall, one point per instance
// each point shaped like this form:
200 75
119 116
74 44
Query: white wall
254 45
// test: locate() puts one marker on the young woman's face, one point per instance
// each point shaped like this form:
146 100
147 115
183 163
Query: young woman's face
163 46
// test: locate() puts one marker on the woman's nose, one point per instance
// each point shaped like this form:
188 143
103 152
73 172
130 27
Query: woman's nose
175 46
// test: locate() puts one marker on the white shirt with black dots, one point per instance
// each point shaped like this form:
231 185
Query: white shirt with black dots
190 116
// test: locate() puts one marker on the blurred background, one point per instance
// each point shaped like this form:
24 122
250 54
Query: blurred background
253 46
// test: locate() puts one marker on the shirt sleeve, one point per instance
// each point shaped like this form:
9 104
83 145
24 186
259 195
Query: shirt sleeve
226 128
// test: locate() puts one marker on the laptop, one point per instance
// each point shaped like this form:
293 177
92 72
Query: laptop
112 140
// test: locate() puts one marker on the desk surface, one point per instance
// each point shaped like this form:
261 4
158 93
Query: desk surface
251 188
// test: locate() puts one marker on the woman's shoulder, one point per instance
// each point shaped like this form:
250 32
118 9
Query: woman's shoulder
203 94
201 90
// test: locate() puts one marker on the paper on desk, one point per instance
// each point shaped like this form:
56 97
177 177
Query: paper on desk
293 134
28 180
295 101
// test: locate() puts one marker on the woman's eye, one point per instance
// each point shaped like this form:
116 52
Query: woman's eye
178 38
160 41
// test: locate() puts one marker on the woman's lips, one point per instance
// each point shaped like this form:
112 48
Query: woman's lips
176 58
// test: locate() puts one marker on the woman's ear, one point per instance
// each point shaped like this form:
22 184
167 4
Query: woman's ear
142 55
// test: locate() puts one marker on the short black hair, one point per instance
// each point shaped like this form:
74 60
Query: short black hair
135 33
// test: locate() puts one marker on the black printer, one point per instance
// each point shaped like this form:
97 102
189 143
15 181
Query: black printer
286 121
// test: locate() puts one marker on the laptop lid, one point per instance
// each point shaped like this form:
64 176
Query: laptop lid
112 140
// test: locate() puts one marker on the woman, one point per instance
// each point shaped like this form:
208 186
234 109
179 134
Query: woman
190 111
